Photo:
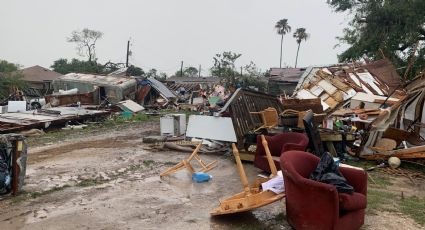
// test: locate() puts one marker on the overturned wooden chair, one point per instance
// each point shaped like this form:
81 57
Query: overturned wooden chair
186 164
252 197
269 117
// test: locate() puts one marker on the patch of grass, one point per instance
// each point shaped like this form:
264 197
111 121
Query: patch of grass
90 182
280 217
414 207
133 168
147 163
33 195
170 163
380 201
379 180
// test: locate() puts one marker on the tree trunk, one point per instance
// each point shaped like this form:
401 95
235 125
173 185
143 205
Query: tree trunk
296 59
281 43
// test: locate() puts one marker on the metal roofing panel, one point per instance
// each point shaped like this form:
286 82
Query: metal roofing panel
161 88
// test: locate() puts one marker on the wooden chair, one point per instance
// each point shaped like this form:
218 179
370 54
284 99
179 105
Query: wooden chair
186 164
269 117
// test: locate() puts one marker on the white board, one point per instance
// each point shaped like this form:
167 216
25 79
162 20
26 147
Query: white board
209 127
16 106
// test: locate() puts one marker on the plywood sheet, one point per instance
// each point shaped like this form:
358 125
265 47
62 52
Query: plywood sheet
328 87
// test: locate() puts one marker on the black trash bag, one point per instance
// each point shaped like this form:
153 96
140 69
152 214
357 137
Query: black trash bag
327 172
5 171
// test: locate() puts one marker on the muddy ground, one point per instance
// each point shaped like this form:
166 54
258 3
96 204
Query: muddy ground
110 180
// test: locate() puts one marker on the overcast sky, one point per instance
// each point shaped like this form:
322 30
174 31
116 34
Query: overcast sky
165 32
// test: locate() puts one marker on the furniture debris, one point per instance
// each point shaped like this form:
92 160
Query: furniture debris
205 127
240 104
129 105
173 124
314 205
269 117
252 197
13 157
277 145
186 164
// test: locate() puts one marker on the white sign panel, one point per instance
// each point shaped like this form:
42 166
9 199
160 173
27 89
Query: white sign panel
213 128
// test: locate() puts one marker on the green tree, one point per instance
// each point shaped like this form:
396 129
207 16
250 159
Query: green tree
10 78
64 66
86 42
384 28
224 66
300 34
187 72
153 73
253 78
135 71
7 67
282 28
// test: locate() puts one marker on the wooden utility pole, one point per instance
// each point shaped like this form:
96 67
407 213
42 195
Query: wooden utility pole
199 71
241 71
181 70
128 53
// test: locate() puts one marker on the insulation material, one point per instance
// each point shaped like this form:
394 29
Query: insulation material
325 106
326 70
355 79
367 90
370 80
316 90
349 94
304 94
328 87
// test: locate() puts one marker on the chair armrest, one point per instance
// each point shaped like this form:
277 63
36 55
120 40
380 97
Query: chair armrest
356 178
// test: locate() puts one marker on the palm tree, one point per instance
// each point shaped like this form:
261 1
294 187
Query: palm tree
300 35
282 28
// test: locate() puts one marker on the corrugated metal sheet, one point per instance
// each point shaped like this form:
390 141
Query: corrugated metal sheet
161 88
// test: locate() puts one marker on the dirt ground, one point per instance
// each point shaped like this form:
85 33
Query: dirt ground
111 181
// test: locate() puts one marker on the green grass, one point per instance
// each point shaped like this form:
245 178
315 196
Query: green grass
147 163
280 217
90 182
380 201
414 207
379 180
33 195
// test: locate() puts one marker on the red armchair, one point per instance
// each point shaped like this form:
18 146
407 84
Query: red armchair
278 144
315 205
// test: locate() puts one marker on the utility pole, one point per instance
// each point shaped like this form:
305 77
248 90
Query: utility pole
199 71
241 71
128 53
181 70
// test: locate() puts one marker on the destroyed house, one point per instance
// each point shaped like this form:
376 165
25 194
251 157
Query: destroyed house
353 85
112 88
191 83
154 93
283 80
